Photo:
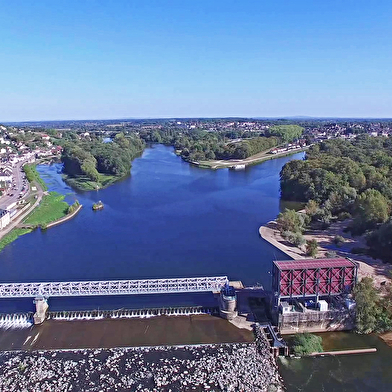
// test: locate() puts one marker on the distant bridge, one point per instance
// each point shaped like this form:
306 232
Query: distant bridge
112 287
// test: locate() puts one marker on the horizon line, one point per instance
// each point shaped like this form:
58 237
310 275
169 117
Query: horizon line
204 117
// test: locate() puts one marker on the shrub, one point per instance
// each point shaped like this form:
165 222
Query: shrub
296 239
311 248
338 240
330 254
306 343
344 215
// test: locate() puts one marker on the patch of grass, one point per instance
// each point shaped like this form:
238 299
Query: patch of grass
81 183
85 184
33 176
51 208
12 236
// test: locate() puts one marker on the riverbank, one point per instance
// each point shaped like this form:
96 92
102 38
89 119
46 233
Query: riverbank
367 266
51 208
252 160
67 217
33 176
83 183
48 210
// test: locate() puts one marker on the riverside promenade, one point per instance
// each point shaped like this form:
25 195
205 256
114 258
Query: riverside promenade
65 218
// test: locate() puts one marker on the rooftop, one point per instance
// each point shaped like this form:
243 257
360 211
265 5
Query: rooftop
313 263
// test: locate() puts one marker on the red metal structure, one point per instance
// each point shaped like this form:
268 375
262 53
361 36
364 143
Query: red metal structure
313 277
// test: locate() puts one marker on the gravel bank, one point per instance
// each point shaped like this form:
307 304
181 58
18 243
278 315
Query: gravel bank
219 367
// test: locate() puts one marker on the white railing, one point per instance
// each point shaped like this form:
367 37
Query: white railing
112 287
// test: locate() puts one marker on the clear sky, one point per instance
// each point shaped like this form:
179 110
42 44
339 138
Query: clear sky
90 59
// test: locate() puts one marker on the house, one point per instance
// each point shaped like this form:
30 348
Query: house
4 177
4 218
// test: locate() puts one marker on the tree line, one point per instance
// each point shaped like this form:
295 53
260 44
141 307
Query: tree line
342 179
92 157
200 145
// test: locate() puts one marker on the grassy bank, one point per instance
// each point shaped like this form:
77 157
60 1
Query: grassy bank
85 184
33 176
252 160
12 236
51 208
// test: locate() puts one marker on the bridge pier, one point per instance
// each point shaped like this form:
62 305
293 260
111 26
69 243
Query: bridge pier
41 308
228 303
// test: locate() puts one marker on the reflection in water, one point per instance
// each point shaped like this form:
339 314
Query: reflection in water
362 373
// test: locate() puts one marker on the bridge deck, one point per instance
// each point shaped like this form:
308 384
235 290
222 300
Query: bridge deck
112 287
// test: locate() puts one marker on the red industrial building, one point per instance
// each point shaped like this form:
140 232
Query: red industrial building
313 277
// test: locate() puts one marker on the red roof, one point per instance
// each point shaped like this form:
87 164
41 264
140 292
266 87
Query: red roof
313 263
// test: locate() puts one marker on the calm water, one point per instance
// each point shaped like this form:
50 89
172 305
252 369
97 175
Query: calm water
168 219
345 373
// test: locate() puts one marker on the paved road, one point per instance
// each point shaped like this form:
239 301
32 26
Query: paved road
18 178
14 223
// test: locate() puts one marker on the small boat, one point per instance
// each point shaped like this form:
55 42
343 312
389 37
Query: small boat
98 206
238 167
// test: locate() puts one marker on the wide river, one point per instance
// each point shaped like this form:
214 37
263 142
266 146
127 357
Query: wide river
168 219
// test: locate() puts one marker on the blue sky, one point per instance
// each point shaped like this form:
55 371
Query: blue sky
95 59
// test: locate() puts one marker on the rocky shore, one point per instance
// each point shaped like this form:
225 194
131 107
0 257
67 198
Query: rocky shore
219 367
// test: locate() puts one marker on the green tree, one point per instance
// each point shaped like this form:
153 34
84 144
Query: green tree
311 248
290 220
296 239
380 241
311 208
367 306
306 343
287 133
371 207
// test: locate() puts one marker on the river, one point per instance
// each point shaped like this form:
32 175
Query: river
168 219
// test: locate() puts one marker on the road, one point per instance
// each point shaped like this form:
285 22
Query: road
14 223
18 179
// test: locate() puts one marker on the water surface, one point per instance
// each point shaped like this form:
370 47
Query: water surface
168 219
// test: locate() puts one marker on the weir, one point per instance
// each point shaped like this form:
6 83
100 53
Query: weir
41 291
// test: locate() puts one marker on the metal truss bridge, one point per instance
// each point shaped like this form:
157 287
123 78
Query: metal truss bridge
112 287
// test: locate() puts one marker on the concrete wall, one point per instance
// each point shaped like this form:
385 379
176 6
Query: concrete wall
316 321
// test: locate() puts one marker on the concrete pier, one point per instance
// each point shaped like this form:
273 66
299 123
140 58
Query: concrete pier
41 306
228 303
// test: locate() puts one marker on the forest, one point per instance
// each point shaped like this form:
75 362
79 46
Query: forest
92 160
200 145
347 179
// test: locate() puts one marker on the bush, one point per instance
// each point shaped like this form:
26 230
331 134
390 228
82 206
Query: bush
344 215
296 239
290 220
330 254
306 343
339 240
311 248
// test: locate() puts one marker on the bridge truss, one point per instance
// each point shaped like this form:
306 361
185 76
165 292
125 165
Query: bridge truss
112 287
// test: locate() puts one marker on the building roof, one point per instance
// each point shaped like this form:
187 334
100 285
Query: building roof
313 263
